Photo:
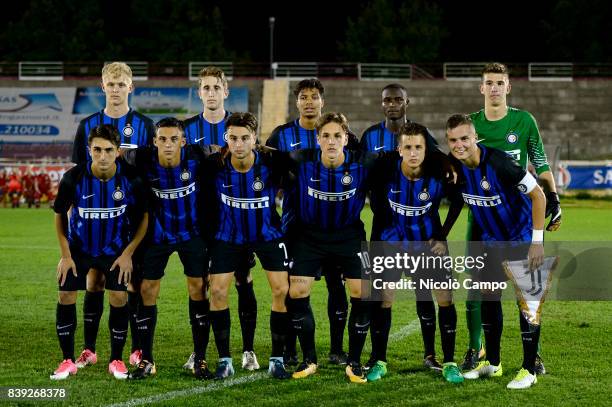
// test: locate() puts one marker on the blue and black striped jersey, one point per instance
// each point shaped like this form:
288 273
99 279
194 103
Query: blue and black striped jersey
105 214
492 192
199 131
135 129
412 206
246 201
290 137
330 199
176 204
378 138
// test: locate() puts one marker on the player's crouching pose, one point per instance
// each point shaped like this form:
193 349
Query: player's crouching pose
108 220
409 190
508 206
174 174
246 186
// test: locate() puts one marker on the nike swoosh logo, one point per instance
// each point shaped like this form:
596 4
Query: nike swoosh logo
142 320
62 327
227 186
119 332
198 316
480 140
295 144
314 180
396 192
378 148
361 326
199 139
154 179
86 197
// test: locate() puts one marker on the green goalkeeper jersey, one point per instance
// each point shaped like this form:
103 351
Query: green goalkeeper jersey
517 134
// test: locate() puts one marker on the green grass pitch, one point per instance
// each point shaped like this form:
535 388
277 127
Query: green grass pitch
576 339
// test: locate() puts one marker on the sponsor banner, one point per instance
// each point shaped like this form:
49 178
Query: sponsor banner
158 103
587 177
36 115
45 115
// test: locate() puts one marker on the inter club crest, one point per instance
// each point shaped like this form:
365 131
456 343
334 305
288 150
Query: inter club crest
128 130
347 179
185 175
118 195
484 184
424 195
512 138
258 185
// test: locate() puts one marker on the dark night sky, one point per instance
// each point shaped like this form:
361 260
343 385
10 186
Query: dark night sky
477 30
310 31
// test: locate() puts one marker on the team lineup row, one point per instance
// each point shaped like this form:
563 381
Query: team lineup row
324 189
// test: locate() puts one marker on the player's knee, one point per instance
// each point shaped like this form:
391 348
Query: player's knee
386 304
444 298
298 291
218 295
117 298
195 286
67 297
280 292
148 291
355 290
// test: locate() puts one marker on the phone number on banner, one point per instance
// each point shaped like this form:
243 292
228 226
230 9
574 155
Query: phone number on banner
28 130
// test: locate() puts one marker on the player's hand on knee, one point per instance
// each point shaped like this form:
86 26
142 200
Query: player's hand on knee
553 209
65 264
124 262
535 255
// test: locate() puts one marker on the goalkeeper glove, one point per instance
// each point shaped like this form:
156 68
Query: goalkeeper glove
553 209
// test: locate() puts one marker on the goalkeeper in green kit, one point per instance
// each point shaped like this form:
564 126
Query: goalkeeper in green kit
514 131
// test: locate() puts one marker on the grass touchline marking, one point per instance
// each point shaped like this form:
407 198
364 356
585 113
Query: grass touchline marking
191 391
408 329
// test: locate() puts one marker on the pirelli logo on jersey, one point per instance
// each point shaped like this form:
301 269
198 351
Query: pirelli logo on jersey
331 196
246 203
128 145
175 193
406 210
476 200
101 213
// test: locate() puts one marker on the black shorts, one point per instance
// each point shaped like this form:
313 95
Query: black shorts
138 264
84 263
496 254
192 254
331 272
228 257
338 251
